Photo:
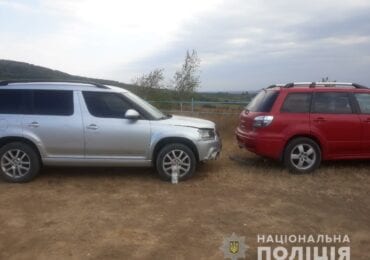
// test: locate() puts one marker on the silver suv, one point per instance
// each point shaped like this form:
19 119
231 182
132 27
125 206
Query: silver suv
84 124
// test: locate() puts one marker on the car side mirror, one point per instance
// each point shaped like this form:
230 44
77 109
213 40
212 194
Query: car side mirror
132 114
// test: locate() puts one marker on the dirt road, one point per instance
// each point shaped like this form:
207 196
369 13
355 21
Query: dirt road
123 213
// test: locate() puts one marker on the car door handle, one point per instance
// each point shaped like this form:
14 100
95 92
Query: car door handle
92 127
319 120
367 120
34 124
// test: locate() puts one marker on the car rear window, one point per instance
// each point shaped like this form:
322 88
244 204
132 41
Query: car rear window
297 103
263 102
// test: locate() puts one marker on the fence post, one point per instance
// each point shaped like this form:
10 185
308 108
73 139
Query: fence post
192 105
181 106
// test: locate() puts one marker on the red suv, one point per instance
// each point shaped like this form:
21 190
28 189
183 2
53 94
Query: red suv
301 124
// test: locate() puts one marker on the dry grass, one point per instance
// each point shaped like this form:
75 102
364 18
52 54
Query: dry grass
84 213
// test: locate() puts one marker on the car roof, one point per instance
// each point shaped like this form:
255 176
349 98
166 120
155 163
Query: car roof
51 85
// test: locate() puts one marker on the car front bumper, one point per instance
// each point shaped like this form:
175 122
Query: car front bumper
209 150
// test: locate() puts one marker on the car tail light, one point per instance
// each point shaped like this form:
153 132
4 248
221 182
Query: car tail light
262 121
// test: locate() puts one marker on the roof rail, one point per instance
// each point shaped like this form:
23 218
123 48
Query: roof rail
331 84
276 86
289 85
7 82
358 86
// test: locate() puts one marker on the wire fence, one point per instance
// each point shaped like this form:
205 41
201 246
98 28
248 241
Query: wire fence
200 107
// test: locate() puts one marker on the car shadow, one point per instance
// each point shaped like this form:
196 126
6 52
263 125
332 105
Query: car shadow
255 161
353 164
260 162
98 172
141 174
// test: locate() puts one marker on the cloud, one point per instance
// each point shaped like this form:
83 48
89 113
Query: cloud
251 44
243 44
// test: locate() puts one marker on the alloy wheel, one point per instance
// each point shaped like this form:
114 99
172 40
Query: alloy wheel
177 158
15 163
303 156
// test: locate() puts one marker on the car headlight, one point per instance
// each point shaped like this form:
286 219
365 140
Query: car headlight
206 134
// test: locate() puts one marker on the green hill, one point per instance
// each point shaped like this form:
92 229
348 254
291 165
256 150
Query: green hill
15 70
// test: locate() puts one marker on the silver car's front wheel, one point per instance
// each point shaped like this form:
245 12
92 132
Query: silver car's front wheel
176 156
19 162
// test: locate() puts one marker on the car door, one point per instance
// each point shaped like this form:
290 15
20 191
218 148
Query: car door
53 122
363 100
294 116
108 134
333 119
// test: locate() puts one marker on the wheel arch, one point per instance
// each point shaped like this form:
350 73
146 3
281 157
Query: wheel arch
312 137
12 139
171 140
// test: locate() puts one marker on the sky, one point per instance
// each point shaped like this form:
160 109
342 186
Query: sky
243 44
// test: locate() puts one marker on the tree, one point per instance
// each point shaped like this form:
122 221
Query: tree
150 82
187 79
153 79
326 79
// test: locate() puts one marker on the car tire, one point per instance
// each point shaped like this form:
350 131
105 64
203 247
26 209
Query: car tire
302 155
19 162
173 154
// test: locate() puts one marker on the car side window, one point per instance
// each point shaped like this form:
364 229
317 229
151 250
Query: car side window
106 105
363 100
11 101
331 103
297 103
52 102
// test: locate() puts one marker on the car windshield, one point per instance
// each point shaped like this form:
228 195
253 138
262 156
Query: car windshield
153 111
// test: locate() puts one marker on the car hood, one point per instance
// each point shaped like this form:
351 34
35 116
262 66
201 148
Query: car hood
187 121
